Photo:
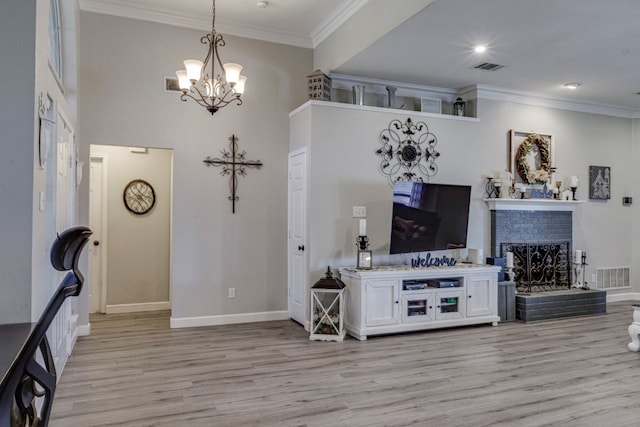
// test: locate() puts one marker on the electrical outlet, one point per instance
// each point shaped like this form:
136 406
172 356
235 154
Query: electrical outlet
593 278
359 211
232 292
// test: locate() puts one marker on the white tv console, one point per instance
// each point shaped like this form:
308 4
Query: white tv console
393 299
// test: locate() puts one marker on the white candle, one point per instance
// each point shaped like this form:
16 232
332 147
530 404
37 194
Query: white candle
578 256
509 259
363 227
573 182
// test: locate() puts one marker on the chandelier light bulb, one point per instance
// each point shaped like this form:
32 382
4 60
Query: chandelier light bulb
232 72
194 69
239 87
183 81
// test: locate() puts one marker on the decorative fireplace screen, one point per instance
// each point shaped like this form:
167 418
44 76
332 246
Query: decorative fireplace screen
541 266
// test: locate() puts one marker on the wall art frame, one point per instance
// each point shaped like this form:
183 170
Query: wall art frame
599 182
530 155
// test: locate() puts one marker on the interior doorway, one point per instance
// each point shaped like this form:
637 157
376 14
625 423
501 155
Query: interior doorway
130 250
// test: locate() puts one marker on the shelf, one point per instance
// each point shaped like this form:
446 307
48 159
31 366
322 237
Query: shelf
532 204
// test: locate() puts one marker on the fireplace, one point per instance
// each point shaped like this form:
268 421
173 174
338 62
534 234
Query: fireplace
539 234
540 266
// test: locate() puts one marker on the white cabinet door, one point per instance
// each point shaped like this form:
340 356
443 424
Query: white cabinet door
481 297
382 302
417 307
449 305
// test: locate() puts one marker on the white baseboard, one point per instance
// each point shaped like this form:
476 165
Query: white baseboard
132 308
228 319
627 296
84 330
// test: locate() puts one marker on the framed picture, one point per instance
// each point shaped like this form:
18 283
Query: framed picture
530 156
431 105
599 182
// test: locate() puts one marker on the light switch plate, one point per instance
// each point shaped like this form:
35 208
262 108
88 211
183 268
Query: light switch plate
359 211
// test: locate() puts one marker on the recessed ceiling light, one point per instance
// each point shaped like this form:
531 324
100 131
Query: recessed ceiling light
572 85
262 4
480 48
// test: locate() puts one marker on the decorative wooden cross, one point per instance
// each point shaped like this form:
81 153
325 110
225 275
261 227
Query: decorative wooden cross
233 163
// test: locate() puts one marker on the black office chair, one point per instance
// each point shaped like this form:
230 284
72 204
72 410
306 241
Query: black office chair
28 379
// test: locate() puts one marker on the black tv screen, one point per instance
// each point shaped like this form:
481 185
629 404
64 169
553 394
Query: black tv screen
429 217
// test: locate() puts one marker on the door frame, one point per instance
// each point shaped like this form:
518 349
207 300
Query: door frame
104 158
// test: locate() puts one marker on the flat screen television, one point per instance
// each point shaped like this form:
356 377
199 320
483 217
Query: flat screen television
429 217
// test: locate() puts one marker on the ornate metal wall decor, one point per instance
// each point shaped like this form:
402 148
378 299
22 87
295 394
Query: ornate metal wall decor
233 163
408 151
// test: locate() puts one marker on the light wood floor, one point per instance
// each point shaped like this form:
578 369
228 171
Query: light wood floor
135 371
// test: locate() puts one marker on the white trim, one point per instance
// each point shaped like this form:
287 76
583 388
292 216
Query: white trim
532 204
500 94
228 319
132 308
335 19
379 110
126 9
627 296
84 330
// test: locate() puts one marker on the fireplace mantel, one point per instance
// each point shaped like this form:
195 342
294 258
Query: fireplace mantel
532 204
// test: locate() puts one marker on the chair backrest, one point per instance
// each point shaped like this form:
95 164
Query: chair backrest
27 378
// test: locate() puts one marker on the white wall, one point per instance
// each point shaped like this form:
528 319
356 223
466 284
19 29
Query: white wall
346 137
138 258
122 66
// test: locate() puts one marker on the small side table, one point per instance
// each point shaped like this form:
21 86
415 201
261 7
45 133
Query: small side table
634 329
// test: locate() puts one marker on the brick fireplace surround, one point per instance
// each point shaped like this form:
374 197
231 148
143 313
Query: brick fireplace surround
536 221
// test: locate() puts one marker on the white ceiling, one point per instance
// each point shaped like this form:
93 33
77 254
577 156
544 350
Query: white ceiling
541 43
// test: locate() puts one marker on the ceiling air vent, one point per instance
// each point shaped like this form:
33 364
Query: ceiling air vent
488 66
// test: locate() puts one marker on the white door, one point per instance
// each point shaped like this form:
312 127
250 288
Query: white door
97 250
298 266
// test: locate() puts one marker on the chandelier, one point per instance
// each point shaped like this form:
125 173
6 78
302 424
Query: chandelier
201 82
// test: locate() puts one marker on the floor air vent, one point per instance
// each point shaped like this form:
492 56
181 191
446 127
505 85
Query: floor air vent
488 66
612 278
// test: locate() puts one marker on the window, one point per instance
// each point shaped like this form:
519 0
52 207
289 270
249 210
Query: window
55 48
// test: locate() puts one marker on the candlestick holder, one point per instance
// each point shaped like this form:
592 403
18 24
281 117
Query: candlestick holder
522 191
363 243
489 188
498 187
573 191
578 269
508 274
364 255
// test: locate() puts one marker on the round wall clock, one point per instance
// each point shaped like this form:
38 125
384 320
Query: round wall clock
139 197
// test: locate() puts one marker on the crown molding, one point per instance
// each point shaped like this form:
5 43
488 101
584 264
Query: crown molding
339 16
528 98
125 9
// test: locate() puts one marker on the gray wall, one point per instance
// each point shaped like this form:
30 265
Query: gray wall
122 66
17 22
346 138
